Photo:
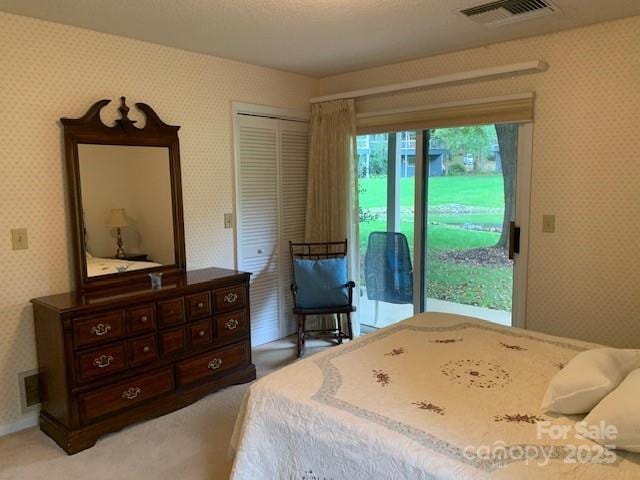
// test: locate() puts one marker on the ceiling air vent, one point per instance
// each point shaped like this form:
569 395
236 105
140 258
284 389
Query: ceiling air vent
493 14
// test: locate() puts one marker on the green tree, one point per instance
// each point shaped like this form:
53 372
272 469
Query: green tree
508 143
475 139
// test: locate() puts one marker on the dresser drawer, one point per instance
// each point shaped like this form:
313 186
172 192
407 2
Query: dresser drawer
101 361
231 325
228 299
199 305
141 319
171 312
199 333
211 364
172 341
142 350
125 394
98 329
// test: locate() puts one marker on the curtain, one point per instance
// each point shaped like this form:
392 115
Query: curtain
332 198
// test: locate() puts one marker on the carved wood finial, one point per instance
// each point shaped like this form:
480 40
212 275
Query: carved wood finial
124 113
124 110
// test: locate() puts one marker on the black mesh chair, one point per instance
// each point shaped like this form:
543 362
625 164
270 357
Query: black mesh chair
318 251
387 268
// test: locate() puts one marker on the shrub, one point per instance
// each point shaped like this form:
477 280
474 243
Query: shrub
456 169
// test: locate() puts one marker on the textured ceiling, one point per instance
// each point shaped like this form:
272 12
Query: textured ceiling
311 37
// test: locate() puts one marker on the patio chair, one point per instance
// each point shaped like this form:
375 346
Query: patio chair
320 287
387 268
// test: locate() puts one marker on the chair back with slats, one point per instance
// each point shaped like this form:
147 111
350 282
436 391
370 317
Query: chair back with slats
318 250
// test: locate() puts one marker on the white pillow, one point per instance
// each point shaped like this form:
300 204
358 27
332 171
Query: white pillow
620 410
587 378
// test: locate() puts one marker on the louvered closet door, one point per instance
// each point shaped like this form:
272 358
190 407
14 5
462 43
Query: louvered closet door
258 219
294 158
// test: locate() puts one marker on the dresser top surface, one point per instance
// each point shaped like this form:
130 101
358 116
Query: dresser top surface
178 284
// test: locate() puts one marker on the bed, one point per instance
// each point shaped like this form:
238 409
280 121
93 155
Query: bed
104 266
435 396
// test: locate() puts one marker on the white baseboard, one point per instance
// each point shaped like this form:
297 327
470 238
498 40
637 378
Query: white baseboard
27 421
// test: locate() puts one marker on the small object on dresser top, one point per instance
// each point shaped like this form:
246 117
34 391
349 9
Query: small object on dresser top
156 280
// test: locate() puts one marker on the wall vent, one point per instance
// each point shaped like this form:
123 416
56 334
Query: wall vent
29 386
498 13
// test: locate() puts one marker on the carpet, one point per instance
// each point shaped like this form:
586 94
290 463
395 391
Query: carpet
190 444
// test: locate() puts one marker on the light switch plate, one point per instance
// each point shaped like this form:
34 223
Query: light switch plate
19 239
548 223
228 220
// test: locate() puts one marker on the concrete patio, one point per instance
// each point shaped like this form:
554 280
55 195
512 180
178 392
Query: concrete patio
390 313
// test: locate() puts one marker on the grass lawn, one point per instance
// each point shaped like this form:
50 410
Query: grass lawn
485 286
476 190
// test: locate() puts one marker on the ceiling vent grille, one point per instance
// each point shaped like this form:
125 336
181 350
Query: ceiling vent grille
498 13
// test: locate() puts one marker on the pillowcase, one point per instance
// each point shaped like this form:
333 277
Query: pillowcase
321 283
587 378
620 410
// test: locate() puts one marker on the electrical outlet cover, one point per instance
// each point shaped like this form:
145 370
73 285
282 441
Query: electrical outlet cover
19 239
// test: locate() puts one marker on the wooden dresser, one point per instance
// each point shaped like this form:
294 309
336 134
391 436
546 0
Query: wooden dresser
110 359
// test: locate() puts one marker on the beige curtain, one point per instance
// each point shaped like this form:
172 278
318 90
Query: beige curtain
332 199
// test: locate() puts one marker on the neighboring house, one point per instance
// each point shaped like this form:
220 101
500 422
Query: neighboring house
407 151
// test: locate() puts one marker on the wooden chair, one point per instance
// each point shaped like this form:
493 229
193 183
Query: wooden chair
318 251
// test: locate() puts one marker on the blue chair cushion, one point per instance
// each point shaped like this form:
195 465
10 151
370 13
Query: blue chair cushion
321 283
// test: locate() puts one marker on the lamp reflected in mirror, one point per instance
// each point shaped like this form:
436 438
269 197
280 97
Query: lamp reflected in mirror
117 219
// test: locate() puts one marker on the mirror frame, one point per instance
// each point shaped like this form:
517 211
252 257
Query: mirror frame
89 129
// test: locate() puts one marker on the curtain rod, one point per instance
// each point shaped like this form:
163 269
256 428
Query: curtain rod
534 66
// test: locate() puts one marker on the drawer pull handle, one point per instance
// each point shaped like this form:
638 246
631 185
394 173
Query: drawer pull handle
102 361
230 297
146 349
101 329
131 393
232 324
201 333
201 305
144 319
215 364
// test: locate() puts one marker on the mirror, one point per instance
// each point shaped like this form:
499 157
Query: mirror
126 197
126 204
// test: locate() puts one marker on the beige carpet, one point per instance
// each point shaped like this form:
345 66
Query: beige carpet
191 443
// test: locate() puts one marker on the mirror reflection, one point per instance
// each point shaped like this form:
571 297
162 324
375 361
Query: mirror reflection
127 209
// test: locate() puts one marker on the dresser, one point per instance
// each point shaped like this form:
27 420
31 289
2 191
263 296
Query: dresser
113 358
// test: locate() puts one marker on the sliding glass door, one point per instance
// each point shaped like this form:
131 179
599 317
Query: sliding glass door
438 212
